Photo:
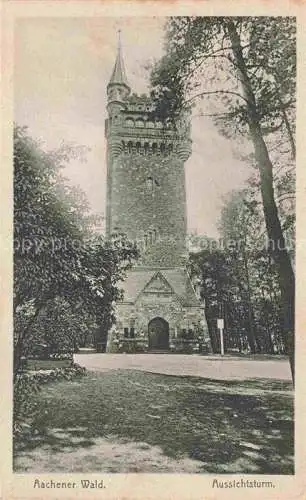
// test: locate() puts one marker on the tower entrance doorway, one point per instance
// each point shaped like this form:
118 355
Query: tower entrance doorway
158 334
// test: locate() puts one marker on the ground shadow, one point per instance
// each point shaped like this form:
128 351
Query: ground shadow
230 426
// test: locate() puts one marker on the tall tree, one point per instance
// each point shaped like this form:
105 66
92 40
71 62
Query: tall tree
247 65
235 226
209 267
241 226
236 272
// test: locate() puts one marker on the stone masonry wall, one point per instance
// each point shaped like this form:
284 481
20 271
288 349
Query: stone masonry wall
146 200
148 204
150 306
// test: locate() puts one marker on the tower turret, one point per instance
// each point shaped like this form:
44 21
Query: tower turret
146 200
118 87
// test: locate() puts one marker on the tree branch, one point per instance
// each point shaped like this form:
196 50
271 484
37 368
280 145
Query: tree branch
216 92
224 115
286 196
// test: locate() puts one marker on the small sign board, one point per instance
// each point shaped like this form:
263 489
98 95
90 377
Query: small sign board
220 324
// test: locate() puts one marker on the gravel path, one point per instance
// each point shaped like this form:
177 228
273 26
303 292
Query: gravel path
227 368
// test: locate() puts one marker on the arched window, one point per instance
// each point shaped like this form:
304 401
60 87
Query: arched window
154 147
129 122
138 147
159 124
150 124
139 123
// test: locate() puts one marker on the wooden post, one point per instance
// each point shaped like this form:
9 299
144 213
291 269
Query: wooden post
220 325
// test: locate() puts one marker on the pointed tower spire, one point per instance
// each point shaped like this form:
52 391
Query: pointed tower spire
119 76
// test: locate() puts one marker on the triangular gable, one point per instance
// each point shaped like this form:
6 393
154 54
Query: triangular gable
158 284
181 284
135 282
175 282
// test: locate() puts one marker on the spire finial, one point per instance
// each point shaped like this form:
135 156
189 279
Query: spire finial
118 76
119 40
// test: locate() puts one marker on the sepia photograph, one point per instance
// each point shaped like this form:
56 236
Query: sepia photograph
154 248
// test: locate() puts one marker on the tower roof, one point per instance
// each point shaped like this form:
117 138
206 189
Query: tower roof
118 74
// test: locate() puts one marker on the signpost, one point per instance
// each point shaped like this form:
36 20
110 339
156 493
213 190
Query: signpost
220 326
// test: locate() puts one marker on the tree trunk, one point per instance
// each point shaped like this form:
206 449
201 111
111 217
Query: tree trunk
276 238
250 331
268 332
251 314
19 347
212 330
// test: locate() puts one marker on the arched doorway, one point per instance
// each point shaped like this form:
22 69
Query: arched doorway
158 334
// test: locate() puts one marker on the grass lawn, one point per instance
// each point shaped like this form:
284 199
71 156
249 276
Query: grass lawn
132 421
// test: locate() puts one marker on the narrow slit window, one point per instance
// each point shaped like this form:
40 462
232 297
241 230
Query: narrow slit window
149 184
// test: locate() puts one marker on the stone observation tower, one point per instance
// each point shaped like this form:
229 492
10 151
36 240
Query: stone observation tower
146 200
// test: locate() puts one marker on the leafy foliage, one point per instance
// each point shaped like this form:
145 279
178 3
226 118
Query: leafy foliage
236 68
199 63
65 274
238 280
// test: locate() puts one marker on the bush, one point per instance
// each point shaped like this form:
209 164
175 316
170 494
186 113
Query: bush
61 355
27 385
184 348
204 348
131 346
42 351
47 364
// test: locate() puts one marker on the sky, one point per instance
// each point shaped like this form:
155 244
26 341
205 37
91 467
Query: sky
61 70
